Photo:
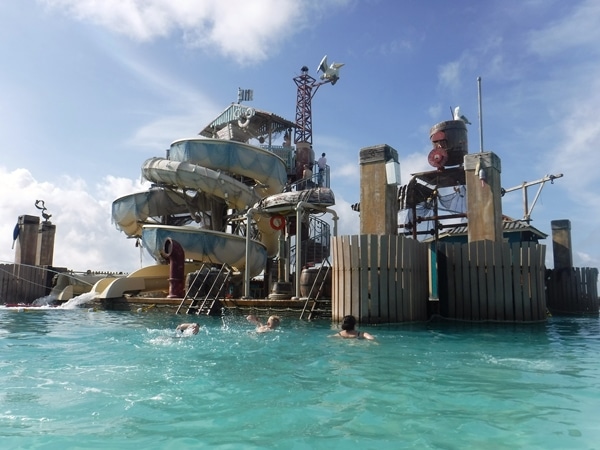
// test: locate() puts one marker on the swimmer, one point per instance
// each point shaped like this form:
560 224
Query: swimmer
188 328
348 331
272 323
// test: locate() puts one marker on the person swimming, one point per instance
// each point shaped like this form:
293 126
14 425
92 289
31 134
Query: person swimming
187 329
272 323
349 331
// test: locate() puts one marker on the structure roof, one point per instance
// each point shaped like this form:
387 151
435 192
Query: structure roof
508 226
447 177
262 123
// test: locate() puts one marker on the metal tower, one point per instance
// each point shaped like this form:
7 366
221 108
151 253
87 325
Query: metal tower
305 83
307 88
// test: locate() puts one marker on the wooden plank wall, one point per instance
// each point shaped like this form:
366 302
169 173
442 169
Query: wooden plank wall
573 290
379 278
492 281
21 283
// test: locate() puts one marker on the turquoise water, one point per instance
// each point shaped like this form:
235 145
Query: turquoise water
83 379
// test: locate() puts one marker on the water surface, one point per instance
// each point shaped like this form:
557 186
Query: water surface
96 379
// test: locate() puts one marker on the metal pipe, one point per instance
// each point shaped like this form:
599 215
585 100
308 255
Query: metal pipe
525 184
526 209
335 220
300 206
299 210
441 217
480 115
173 252
525 205
249 214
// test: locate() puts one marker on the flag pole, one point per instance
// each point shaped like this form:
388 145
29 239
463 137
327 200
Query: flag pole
480 115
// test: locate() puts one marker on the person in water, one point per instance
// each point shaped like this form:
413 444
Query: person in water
188 328
349 332
272 323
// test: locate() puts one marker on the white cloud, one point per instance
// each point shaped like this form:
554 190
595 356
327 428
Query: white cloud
240 29
586 260
413 163
395 47
435 111
579 29
450 74
85 237
574 156
156 135
348 220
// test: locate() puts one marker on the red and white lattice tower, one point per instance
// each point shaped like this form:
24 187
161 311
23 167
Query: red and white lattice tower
305 83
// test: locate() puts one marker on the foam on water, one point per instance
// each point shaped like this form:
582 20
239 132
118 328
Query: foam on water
83 379
77 302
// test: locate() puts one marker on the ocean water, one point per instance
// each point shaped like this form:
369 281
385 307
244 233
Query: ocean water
78 378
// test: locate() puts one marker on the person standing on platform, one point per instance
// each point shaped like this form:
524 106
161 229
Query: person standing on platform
306 177
322 164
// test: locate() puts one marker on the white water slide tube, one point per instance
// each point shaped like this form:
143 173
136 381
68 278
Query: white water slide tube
199 164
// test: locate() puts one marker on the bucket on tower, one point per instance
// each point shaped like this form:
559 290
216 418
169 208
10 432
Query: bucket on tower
450 143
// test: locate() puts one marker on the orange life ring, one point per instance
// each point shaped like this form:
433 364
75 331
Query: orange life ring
277 222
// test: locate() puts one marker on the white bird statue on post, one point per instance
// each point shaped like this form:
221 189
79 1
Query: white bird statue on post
331 73
459 116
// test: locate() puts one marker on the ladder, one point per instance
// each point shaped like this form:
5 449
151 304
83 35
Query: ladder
316 292
212 282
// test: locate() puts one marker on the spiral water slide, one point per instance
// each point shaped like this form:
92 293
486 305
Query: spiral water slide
196 172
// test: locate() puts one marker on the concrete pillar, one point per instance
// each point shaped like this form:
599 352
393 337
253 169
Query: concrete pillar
484 205
45 244
26 247
378 198
561 244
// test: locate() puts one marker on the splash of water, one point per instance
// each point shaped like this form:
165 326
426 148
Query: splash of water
78 301
47 300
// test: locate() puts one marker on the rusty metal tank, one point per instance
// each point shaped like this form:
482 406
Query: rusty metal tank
304 155
450 143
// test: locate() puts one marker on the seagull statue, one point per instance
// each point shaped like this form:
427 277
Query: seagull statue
459 116
330 73
39 204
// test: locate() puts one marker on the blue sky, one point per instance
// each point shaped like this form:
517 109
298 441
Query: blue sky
92 89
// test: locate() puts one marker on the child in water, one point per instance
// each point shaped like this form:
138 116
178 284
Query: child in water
187 329
272 323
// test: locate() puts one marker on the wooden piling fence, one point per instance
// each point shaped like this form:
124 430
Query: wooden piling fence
492 281
22 283
573 290
379 278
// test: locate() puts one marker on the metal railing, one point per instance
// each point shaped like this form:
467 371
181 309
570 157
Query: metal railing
316 248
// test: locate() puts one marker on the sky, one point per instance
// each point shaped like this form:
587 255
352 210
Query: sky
90 90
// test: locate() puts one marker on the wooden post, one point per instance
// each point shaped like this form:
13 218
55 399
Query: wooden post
561 244
26 247
378 194
484 205
45 244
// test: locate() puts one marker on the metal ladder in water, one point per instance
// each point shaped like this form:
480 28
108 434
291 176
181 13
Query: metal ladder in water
204 304
316 292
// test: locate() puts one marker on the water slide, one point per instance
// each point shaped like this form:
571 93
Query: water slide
197 171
